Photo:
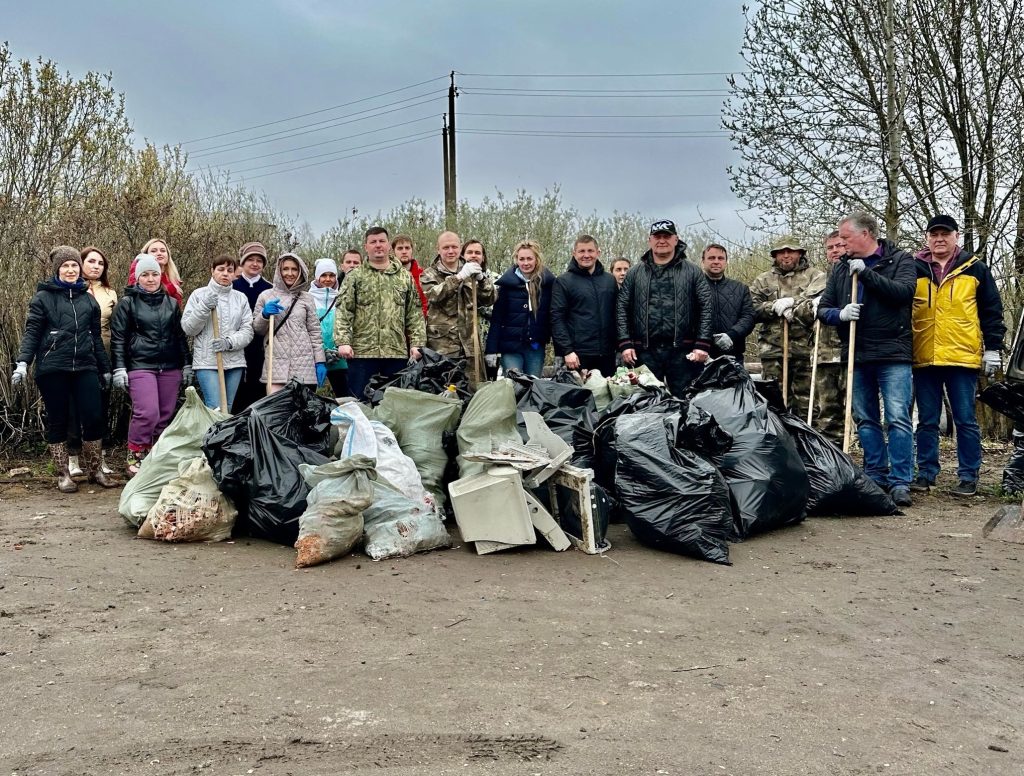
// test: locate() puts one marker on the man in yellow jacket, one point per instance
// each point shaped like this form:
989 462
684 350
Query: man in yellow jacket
958 329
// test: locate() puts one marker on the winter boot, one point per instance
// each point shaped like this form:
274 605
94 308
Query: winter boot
91 459
60 462
104 466
73 468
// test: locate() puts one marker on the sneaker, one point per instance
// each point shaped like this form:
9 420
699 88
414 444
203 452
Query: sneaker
901 496
965 488
921 484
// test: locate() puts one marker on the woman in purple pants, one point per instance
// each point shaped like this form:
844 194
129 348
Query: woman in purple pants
150 353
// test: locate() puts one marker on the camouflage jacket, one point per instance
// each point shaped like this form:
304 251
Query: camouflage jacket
450 309
803 284
379 313
830 349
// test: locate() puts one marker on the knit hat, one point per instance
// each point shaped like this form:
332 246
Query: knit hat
145 263
253 249
63 253
324 265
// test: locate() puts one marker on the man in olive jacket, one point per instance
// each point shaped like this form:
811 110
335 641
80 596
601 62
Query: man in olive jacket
664 311
379 324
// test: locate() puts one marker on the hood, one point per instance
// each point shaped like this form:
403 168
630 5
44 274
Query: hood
303 282
574 267
51 284
802 264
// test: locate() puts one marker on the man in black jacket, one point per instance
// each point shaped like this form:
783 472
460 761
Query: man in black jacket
883 350
664 311
252 259
732 317
583 311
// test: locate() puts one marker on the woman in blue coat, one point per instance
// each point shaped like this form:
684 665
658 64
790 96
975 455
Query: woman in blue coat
521 321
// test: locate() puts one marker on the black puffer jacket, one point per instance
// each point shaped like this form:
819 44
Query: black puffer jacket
690 316
513 327
62 333
583 311
732 313
886 290
146 333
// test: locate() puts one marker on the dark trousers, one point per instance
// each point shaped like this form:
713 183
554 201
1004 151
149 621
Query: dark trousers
338 378
251 390
671 366
360 370
75 423
59 390
604 364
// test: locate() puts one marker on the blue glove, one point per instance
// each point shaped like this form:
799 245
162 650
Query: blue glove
321 373
273 307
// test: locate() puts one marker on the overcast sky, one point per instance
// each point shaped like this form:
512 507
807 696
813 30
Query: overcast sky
192 69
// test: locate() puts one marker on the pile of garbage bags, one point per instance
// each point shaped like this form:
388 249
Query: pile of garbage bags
688 474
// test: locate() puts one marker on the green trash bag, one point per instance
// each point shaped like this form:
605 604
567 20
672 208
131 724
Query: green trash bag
419 421
333 520
489 420
181 441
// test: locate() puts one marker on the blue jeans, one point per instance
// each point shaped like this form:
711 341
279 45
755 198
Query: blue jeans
529 362
362 370
209 386
894 383
961 385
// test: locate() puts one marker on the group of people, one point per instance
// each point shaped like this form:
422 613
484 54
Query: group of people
924 324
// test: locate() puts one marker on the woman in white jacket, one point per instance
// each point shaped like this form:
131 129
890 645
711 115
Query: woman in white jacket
235 323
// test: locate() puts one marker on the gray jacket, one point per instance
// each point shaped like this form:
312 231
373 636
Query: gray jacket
233 317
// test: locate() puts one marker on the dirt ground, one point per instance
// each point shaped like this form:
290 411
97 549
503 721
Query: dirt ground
840 646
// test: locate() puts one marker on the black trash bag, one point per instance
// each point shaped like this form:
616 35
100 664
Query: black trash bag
763 468
838 486
1013 472
295 412
701 433
561 406
673 499
432 373
1006 397
566 376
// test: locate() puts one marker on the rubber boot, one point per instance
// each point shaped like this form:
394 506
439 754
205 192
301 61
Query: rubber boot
91 458
60 462
73 468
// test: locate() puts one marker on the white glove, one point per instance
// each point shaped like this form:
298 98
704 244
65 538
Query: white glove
781 305
789 313
469 269
121 379
211 301
220 344
723 341
856 265
850 313
814 304
20 373
491 359
991 362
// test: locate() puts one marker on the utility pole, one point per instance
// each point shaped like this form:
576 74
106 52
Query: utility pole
452 191
449 208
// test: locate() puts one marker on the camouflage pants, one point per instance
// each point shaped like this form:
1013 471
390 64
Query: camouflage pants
799 380
830 401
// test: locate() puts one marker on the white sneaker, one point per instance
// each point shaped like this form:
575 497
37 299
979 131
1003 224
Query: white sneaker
73 468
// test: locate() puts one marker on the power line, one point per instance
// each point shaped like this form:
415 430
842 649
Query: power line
321 143
340 158
285 134
314 112
418 135
594 75
599 115
624 96
594 134
615 92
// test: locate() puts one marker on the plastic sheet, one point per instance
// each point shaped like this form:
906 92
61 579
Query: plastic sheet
561 405
333 520
763 468
673 499
489 420
1006 397
432 373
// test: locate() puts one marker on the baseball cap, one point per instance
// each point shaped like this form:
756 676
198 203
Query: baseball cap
666 226
943 222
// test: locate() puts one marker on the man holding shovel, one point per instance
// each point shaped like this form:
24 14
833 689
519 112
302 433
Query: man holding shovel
876 325
784 306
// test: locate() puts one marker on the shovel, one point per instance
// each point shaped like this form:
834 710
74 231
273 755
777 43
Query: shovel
270 357
814 370
848 421
785 363
220 366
